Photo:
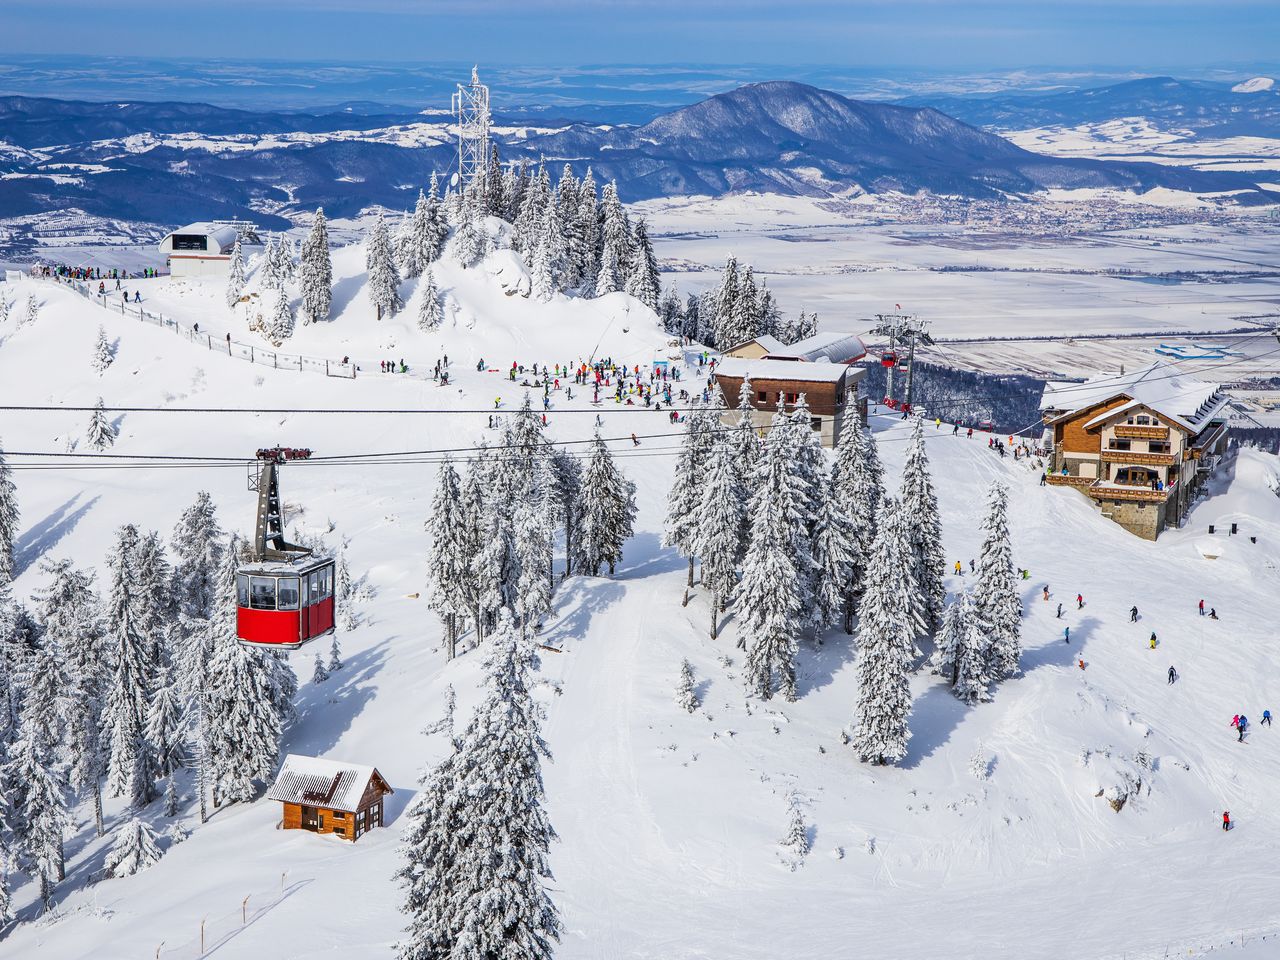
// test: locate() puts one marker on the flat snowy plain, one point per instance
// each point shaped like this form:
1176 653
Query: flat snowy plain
990 840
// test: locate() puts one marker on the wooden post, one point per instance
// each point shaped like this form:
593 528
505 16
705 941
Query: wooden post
202 922
244 911
282 876
158 949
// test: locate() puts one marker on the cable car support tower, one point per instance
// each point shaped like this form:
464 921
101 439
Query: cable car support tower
900 329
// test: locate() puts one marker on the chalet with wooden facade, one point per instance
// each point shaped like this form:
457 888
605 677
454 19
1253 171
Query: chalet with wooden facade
828 388
1139 444
326 796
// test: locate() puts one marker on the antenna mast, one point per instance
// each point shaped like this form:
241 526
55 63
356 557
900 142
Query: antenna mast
471 112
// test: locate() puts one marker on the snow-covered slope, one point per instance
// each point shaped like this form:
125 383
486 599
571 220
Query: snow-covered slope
989 840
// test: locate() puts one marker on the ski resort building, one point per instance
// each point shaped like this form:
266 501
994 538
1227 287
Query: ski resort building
1139 444
828 388
200 249
326 796
831 347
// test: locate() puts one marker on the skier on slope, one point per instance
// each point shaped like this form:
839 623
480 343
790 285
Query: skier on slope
1059 611
1173 674
1226 819
1133 614
1079 601
1266 718
1153 640
1240 727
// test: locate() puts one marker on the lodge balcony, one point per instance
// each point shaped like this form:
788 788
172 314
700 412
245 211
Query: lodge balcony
1129 431
1111 490
1066 480
1205 441
1142 459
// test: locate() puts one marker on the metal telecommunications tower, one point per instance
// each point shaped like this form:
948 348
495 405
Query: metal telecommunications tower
471 112
901 329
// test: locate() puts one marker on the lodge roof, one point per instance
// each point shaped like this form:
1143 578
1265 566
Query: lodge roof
315 781
765 368
1184 400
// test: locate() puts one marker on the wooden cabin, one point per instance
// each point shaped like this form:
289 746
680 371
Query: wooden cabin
1139 445
821 347
328 796
829 390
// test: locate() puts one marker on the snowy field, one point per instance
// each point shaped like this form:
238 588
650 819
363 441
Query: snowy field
990 839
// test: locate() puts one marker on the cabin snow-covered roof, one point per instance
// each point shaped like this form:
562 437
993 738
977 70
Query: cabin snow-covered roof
766 342
767 369
221 235
1188 402
836 347
309 780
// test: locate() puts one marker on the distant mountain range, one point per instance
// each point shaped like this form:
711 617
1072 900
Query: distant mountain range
172 162
1250 108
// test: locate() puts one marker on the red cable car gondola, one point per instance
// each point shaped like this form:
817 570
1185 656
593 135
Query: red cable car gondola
890 359
284 594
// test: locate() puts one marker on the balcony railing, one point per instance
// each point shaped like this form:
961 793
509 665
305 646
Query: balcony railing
1110 490
1060 480
1129 431
1134 457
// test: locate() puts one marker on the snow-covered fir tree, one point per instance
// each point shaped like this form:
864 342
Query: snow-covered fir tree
449 555
384 279
468 243
685 496
39 799
269 276
746 439
770 597
542 281
834 558
534 535
720 530
315 272
47 692
236 277
103 354
475 851
494 567
33 310
164 727
9 518
344 598
745 321
280 321
795 844
101 433
642 277
4 310
995 597
335 654
686 695
586 227
887 627
154 607
566 481
319 674
430 313
129 771
197 544
607 272
722 309
286 265
413 240
608 511
241 712
134 849
963 655
857 486
924 525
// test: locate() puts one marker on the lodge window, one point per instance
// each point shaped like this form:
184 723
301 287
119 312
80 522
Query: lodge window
762 396
1118 445
815 422
1144 421
1158 446
262 593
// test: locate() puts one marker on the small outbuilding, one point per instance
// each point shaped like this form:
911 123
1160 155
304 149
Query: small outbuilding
200 249
829 389
328 796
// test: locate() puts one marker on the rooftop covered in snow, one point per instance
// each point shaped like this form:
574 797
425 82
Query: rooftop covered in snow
315 781
836 347
1161 386
768 369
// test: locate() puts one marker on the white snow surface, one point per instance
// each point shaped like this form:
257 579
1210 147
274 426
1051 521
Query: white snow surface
993 838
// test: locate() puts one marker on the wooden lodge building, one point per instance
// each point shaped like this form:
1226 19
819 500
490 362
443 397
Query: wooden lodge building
819 367
1139 444
326 796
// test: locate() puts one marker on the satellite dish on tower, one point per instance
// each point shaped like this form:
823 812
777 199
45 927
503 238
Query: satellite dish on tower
453 180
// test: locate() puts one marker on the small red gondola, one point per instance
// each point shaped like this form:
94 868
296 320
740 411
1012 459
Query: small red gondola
284 595
890 359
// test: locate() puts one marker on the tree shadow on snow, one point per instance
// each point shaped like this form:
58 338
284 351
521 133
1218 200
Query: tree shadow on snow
397 803
326 710
344 292
1054 652
934 718
817 665
46 534
644 555
581 599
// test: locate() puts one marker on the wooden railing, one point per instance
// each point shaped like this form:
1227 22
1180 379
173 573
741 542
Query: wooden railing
1060 480
1131 456
1141 494
1129 431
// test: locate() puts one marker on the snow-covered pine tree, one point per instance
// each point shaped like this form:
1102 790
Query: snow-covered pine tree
39 798
586 227
44 681
153 597
101 433
501 906
608 511
269 278
171 797
282 683
335 655
770 596
344 594
236 277
834 557
286 265
565 472
770 316
542 281
686 695
995 597
642 275
129 771
319 674
437 227
725 310
414 240
534 538
430 313
280 321
316 272
240 710
746 309
887 628
133 851
607 271
197 543
4 315
567 191
9 517
920 510
671 312
449 555
615 228
746 439
384 279
33 310
796 843
963 654
719 525
103 354
685 495
525 228
857 486
164 727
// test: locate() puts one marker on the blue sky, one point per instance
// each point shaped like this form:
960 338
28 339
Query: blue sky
943 34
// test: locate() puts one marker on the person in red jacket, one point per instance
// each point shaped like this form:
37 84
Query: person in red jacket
1226 819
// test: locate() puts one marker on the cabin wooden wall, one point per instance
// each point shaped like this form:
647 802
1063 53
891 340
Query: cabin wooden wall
1071 434
331 820
821 397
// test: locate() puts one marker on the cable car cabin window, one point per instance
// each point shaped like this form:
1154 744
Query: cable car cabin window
313 588
189 241
287 593
326 583
262 593
242 590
